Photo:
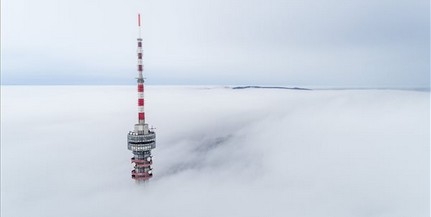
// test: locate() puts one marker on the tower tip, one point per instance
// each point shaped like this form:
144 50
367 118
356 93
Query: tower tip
139 20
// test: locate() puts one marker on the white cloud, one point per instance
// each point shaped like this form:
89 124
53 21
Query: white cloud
220 152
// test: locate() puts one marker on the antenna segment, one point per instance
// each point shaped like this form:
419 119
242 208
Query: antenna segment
139 24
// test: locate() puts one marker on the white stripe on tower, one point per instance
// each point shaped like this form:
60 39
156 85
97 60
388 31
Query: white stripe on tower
141 113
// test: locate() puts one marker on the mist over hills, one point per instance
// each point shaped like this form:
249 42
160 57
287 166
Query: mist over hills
220 152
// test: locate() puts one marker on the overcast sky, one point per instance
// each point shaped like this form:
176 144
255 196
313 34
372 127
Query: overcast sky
351 43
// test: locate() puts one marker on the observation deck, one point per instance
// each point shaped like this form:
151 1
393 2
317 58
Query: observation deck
141 142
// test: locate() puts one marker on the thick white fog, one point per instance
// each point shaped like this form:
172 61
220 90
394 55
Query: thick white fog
220 152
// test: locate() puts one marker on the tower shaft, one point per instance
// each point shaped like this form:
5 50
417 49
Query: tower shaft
141 112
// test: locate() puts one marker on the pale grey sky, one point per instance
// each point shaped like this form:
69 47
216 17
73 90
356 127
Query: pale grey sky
334 43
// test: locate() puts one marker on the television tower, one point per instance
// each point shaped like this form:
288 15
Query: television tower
142 139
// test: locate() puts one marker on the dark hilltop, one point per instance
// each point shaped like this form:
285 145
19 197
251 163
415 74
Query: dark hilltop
269 87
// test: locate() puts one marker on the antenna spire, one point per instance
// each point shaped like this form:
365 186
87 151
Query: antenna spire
139 24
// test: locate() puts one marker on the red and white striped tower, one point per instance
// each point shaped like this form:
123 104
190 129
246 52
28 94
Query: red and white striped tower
142 139
141 112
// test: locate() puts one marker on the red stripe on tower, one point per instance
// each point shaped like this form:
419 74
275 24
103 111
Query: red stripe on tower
141 115
140 102
140 87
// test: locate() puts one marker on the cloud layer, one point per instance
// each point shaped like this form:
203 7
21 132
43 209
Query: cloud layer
220 152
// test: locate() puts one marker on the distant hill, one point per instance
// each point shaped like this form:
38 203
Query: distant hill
269 87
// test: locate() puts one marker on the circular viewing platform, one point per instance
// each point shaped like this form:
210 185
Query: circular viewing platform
141 142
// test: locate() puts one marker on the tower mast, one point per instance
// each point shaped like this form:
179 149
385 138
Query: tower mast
141 140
